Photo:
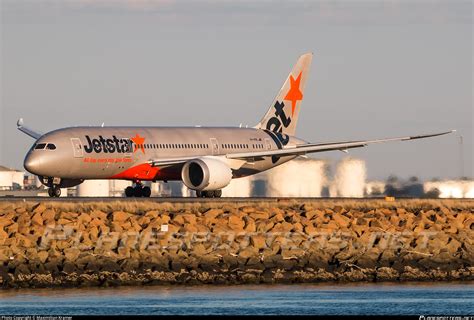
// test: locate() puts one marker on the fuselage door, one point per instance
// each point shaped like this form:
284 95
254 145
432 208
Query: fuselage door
214 146
77 147
268 144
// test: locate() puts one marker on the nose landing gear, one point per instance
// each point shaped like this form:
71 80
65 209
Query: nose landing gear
54 191
139 190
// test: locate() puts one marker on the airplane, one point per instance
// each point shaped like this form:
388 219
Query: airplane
205 159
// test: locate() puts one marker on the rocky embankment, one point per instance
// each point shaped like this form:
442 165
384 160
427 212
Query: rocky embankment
121 243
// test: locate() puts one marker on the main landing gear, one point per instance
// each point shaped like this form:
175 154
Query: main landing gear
138 191
209 194
54 191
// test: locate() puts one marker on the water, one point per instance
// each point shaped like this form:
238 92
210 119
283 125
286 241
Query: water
350 299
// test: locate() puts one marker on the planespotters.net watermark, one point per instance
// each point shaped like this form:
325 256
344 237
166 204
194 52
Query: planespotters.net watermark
422 317
162 238
35 317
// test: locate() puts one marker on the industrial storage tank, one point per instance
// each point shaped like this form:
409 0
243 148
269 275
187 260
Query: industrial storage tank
296 178
240 187
374 188
93 188
349 180
117 187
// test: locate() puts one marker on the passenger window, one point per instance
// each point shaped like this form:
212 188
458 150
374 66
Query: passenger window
51 146
40 146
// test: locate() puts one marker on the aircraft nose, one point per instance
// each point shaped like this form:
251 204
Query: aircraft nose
32 163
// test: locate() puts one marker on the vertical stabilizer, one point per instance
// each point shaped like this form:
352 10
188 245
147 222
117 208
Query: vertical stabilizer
282 116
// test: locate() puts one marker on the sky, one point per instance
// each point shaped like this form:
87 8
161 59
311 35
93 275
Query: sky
380 69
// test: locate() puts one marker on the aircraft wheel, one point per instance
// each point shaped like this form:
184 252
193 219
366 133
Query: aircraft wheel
210 194
146 192
138 191
217 193
129 192
54 192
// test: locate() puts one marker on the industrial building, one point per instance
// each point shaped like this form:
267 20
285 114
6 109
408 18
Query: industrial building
451 188
11 179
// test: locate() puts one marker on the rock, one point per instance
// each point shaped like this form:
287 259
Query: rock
39 208
293 253
279 217
37 219
62 221
84 218
283 227
247 209
250 225
43 255
264 226
178 220
143 221
189 228
258 241
260 215
23 241
212 213
386 274
189 218
48 214
314 214
97 214
96 223
248 252
69 215
225 243
6 221
120 216
341 220
410 273
236 223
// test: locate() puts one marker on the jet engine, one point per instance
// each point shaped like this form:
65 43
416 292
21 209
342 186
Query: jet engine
206 174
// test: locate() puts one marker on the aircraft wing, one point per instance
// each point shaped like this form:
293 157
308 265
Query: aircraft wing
27 130
293 150
321 147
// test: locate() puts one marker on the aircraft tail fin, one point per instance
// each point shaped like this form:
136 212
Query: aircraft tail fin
282 116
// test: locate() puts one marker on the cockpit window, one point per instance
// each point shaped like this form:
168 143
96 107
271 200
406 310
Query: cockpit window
51 146
40 146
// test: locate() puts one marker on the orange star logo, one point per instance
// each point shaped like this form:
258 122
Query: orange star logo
138 143
294 94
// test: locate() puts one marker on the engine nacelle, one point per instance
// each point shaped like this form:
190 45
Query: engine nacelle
206 174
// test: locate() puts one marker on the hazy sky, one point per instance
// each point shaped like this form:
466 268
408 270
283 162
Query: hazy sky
380 69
